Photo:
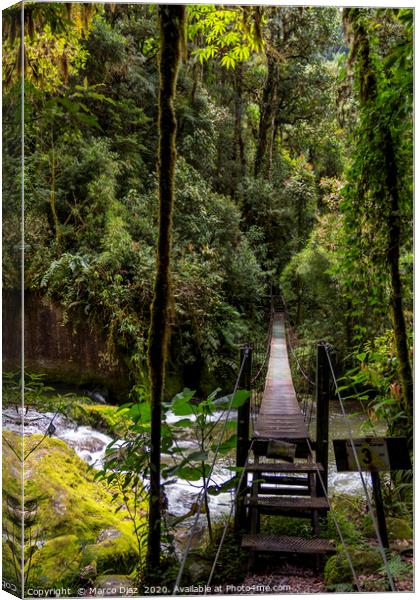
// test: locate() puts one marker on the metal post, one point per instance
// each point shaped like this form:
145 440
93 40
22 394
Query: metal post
242 443
379 507
322 415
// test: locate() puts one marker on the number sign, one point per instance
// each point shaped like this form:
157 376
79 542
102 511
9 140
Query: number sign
374 454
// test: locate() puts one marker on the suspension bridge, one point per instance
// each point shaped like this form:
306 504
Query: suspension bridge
283 472
279 487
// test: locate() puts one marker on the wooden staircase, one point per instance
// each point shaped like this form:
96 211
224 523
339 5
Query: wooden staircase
285 489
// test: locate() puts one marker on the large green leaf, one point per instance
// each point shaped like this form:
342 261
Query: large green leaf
215 490
140 412
227 445
183 423
239 399
181 403
197 456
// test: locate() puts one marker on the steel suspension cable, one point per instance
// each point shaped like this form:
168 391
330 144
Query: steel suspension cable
222 539
308 379
256 377
290 345
267 350
337 526
203 491
366 491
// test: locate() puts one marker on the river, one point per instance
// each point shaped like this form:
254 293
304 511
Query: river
90 445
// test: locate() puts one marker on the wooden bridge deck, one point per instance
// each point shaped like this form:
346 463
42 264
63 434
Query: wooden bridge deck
282 488
280 417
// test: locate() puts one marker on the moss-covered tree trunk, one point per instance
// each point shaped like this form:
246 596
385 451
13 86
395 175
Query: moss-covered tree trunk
172 25
266 114
393 255
239 146
388 193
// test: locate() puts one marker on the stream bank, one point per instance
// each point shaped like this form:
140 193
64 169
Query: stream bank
76 515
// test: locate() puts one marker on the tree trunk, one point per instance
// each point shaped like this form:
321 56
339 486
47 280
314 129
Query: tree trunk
368 94
273 136
53 205
393 255
266 114
239 146
172 24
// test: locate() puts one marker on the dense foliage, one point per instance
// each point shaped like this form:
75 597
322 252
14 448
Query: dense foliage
90 180
279 173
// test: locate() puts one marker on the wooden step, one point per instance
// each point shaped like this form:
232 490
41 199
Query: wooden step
278 479
274 503
286 544
283 491
285 468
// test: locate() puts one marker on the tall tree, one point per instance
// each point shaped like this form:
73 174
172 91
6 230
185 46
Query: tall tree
377 195
267 114
172 20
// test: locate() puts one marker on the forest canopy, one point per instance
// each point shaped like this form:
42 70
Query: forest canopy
279 177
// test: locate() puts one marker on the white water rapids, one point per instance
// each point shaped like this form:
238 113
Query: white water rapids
91 444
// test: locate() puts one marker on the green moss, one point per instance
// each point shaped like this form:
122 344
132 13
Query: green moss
366 561
399 528
57 563
75 517
117 552
106 418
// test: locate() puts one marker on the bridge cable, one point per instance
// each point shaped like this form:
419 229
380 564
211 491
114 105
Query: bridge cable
374 522
267 351
222 539
381 547
256 377
203 491
332 512
337 526
286 312
308 379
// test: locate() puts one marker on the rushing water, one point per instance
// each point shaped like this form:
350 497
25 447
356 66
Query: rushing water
90 445
339 428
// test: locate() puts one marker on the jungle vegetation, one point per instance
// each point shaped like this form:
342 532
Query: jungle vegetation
181 162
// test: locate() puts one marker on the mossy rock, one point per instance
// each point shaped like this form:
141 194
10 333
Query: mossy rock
364 559
114 551
57 563
399 528
75 515
104 417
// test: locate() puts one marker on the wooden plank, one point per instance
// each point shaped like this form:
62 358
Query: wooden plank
280 417
283 491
